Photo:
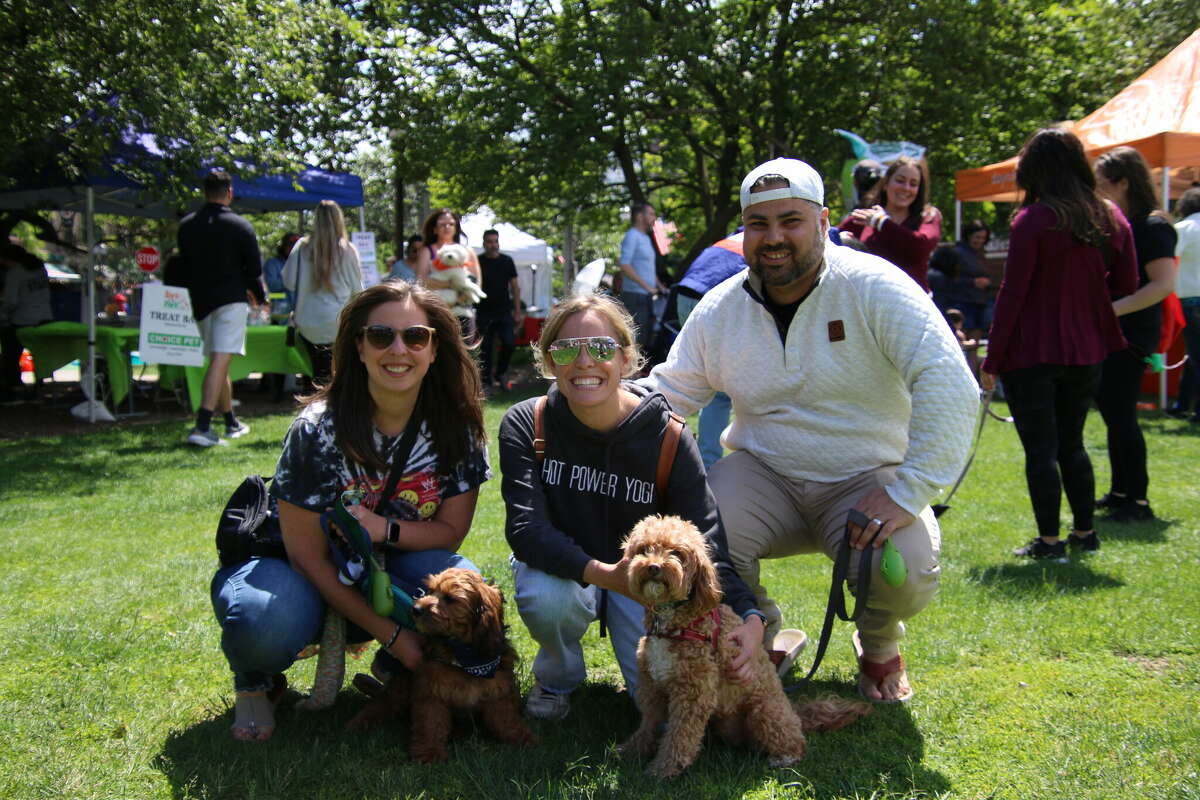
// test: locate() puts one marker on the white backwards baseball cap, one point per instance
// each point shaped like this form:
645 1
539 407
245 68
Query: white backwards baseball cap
803 182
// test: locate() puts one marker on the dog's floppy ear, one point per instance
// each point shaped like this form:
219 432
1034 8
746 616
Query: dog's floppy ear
706 588
488 634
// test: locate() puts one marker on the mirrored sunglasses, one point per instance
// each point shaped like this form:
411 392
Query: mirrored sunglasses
415 337
600 348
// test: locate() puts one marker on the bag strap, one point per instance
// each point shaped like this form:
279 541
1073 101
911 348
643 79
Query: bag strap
539 430
837 597
666 452
403 451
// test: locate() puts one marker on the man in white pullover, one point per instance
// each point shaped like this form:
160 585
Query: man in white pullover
849 391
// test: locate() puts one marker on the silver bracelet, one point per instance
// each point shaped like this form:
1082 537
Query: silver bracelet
392 641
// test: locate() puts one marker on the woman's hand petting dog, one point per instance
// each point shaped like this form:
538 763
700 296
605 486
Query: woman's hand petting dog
746 638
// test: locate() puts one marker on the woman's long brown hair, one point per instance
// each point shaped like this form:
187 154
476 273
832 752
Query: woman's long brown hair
1053 170
449 398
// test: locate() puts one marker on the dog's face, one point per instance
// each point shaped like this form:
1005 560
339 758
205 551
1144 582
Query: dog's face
461 605
669 563
451 256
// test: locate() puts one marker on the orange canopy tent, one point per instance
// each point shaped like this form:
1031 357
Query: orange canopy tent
1158 114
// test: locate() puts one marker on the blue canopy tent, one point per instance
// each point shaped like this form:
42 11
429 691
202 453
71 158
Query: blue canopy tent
108 191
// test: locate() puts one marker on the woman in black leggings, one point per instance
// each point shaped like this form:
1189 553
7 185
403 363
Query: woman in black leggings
1124 178
1069 252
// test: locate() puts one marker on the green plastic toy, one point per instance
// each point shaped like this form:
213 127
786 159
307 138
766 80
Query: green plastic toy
891 565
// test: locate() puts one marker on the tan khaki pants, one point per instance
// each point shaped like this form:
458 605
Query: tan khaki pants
769 516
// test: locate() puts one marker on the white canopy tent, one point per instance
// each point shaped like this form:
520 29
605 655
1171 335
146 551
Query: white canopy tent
533 257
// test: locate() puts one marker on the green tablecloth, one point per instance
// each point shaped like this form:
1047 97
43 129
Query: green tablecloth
266 351
57 344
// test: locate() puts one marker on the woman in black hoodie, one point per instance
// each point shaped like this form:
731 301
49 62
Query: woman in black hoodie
569 512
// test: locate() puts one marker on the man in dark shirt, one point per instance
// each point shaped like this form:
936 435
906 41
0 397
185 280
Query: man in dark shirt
223 269
498 313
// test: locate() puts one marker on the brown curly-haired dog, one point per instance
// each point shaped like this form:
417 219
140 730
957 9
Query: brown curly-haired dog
683 661
467 665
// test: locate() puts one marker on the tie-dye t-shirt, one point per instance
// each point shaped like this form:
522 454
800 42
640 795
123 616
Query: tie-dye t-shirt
312 471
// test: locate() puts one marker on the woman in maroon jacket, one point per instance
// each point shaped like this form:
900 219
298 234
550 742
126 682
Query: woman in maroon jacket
1069 254
902 228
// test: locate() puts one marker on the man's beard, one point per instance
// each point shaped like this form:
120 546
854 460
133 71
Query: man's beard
801 266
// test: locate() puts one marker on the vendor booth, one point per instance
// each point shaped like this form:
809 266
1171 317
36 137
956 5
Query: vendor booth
1158 115
533 257
110 191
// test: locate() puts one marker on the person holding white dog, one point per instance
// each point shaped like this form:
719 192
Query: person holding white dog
444 227
849 392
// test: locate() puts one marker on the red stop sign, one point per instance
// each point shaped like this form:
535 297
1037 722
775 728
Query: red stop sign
147 258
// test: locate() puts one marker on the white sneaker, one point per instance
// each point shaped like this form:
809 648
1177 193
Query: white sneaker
545 704
206 438
237 431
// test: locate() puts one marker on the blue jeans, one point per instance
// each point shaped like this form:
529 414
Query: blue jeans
268 612
558 611
714 418
641 307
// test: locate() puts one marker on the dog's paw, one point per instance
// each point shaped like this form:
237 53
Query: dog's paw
636 747
665 769
429 754
784 761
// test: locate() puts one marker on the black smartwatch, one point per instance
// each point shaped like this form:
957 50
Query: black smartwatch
393 532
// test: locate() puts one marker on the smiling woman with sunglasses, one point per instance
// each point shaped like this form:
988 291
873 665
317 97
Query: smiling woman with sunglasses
399 365
569 512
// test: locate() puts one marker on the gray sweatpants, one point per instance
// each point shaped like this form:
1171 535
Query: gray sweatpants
769 516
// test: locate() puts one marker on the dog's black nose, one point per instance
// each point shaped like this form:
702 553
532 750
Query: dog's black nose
654 569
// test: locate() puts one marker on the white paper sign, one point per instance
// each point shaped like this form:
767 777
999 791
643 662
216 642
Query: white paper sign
364 243
168 333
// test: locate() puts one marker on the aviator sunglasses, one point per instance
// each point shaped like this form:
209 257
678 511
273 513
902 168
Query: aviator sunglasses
415 337
600 348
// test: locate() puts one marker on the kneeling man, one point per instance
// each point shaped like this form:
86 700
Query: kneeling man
849 391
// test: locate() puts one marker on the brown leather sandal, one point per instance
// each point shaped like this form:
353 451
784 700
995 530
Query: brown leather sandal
877 671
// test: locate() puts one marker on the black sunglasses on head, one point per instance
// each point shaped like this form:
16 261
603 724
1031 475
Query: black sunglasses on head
415 337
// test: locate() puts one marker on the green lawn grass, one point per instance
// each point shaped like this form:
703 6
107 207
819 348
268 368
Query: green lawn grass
1033 680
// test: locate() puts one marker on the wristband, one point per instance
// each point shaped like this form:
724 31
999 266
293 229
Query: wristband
392 641
393 532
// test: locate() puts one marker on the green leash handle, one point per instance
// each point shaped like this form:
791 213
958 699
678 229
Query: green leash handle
386 599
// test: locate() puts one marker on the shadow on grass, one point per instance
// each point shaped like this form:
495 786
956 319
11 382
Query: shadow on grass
1149 532
1035 577
82 465
312 756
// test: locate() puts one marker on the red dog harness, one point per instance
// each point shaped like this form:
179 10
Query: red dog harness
690 634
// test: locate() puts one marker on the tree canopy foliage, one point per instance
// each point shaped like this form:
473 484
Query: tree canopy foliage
562 112
567 111
251 83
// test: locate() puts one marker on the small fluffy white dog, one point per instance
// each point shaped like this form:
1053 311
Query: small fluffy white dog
450 267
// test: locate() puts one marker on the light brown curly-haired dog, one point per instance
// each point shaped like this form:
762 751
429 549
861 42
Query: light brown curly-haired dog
467 666
683 661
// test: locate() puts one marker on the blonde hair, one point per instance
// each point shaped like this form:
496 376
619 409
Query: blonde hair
607 307
327 239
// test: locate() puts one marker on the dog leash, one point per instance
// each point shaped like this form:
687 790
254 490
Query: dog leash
837 597
984 412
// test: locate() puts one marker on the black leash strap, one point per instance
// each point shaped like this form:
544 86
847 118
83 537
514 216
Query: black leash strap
837 597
